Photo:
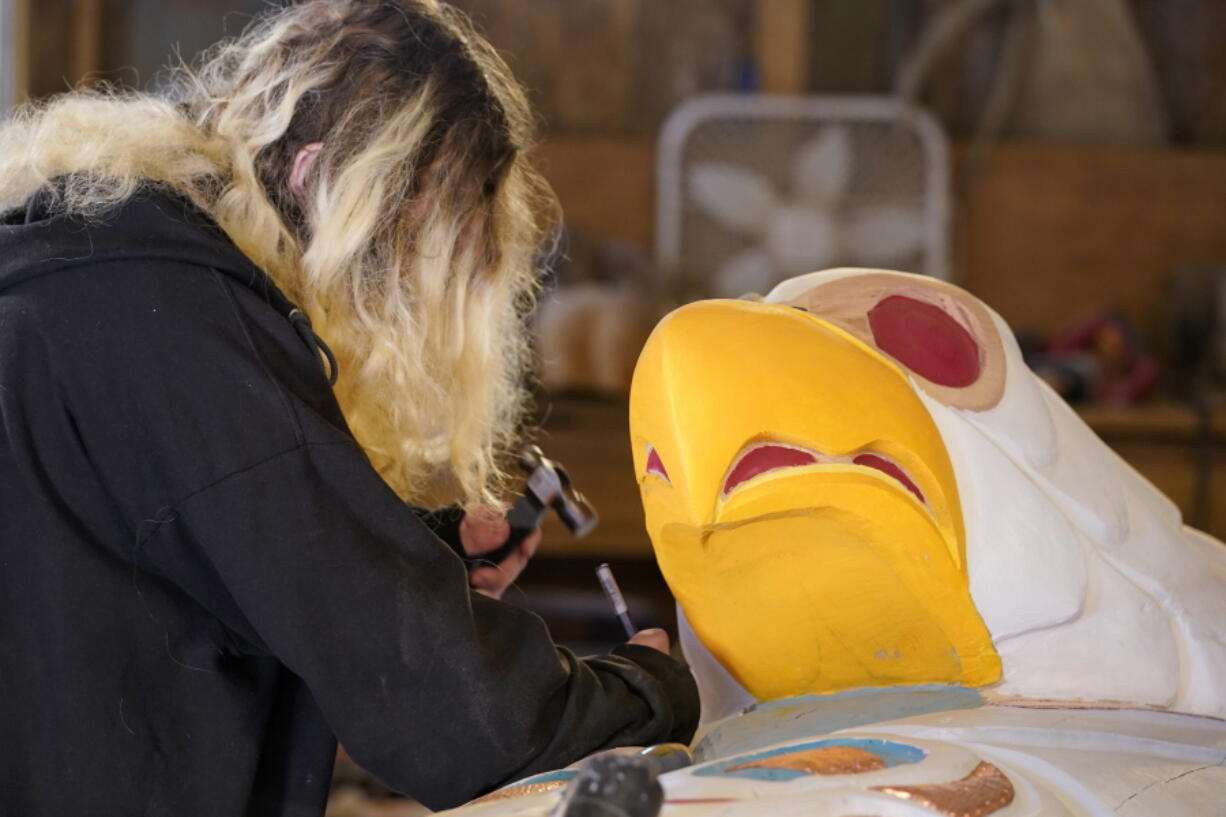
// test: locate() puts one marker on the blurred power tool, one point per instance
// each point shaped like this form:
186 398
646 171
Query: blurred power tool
612 785
667 757
548 487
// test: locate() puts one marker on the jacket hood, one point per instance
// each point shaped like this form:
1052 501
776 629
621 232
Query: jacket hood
152 225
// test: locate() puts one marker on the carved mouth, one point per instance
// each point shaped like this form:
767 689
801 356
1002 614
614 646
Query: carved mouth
763 457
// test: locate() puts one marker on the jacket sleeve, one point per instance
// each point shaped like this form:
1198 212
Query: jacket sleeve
441 692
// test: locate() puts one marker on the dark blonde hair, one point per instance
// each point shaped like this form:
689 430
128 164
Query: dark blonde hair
413 245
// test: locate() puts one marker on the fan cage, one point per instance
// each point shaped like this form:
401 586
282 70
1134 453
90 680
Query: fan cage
901 155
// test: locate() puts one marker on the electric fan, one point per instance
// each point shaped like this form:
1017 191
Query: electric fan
756 189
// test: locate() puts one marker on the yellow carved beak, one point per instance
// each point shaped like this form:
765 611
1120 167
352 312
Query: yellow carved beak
802 505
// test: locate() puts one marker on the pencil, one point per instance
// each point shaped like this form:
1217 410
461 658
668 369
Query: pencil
609 584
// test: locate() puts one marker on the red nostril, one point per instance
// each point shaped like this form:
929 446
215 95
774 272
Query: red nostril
655 465
766 458
926 340
885 466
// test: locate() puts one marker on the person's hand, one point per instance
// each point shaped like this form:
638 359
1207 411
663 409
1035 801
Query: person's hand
655 638
483 529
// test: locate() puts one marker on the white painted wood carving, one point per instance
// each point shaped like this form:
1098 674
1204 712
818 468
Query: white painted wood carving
1064 652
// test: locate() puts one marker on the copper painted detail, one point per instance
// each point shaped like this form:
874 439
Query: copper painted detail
823 760
521 791
983 791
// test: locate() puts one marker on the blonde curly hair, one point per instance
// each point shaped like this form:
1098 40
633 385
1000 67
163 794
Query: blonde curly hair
413 244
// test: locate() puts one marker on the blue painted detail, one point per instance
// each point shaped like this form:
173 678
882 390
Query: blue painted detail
808 716
891 754
547 777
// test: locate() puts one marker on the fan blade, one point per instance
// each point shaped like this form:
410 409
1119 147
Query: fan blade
800 239
823 167
737 199
885 235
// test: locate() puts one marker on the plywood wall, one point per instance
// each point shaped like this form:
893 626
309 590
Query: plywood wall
607 186
1046 233
614 68
1043 233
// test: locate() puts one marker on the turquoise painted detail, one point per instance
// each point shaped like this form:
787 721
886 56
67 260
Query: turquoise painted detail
891 754
546 777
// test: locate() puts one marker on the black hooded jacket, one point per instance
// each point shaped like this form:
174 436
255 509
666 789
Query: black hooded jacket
204 583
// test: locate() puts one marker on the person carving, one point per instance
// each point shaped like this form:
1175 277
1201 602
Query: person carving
214 563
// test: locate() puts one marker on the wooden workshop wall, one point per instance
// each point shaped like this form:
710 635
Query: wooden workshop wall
122 42
1091 224
607 186
1046 232
1094 225
614 68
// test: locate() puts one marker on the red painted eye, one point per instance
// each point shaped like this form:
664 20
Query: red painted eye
926 340
655 465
